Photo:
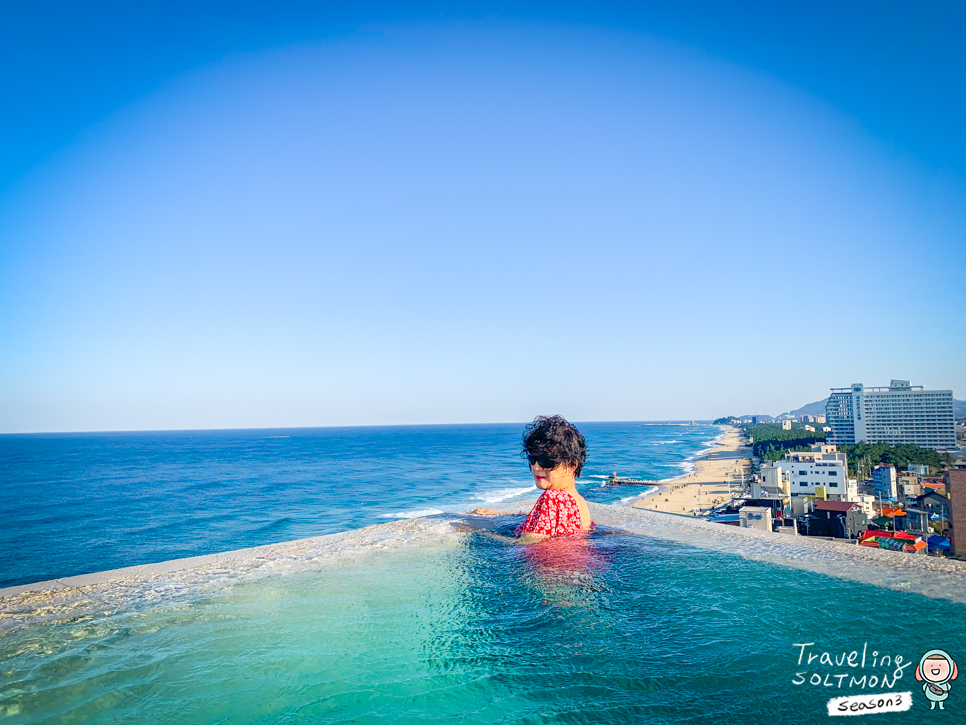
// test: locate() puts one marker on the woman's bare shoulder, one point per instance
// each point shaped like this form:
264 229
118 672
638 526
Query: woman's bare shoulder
584 511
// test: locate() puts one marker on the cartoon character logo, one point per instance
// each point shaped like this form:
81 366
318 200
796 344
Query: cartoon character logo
935 670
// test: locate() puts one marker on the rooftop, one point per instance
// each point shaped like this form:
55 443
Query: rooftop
840 506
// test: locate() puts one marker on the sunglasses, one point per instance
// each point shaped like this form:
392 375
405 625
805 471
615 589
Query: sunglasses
546 462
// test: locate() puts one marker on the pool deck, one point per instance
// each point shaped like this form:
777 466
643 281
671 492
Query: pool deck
70 597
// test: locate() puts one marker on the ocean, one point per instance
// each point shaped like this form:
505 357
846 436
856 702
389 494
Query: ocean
86 502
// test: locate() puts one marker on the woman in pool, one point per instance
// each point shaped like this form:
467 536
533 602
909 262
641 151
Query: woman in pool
556 452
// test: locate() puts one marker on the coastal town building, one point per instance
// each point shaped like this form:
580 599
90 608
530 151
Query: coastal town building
917 520
813 418
937 504
867 503
841 519
771 489
956 488
920 469
773 480
785 526
822 471
909 485
884 479
755 517
786 425
890 517
894 541
901 413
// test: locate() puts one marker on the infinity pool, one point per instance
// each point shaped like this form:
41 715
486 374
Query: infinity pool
618 628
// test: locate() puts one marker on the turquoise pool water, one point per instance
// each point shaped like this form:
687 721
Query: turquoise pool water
615 629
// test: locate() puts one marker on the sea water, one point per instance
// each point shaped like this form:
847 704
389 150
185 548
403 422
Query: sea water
79 503
616 628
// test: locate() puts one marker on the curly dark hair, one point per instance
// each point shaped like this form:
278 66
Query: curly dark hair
554 440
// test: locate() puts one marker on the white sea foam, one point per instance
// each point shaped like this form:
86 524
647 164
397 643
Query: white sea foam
687 466
502 494
410 514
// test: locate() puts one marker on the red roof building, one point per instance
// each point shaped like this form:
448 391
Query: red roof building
896 541
837 506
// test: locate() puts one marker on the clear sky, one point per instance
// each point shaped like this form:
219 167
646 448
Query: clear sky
219 215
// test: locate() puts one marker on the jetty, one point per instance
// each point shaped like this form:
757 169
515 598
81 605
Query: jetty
616 480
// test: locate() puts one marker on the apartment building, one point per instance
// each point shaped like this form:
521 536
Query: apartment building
884 478
901 413
802 473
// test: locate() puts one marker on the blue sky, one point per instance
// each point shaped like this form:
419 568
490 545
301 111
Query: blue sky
236 215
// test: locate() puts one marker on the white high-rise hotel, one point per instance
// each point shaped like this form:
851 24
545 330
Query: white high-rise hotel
901 413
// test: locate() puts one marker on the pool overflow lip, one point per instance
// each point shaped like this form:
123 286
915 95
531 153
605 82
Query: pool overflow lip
937 578
264 551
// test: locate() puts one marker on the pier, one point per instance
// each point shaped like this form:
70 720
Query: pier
615 480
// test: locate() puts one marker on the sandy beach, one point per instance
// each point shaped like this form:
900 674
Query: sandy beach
699 492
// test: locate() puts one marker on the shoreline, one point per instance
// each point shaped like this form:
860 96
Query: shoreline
695 494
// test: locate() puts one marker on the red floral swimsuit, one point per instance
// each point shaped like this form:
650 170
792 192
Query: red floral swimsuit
554 514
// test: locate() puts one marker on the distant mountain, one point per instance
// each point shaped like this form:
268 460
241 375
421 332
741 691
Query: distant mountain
959 409
816 408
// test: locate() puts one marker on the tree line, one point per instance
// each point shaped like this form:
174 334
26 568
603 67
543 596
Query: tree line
771 443
900 456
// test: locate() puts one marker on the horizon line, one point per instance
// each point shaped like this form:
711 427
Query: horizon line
696 421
